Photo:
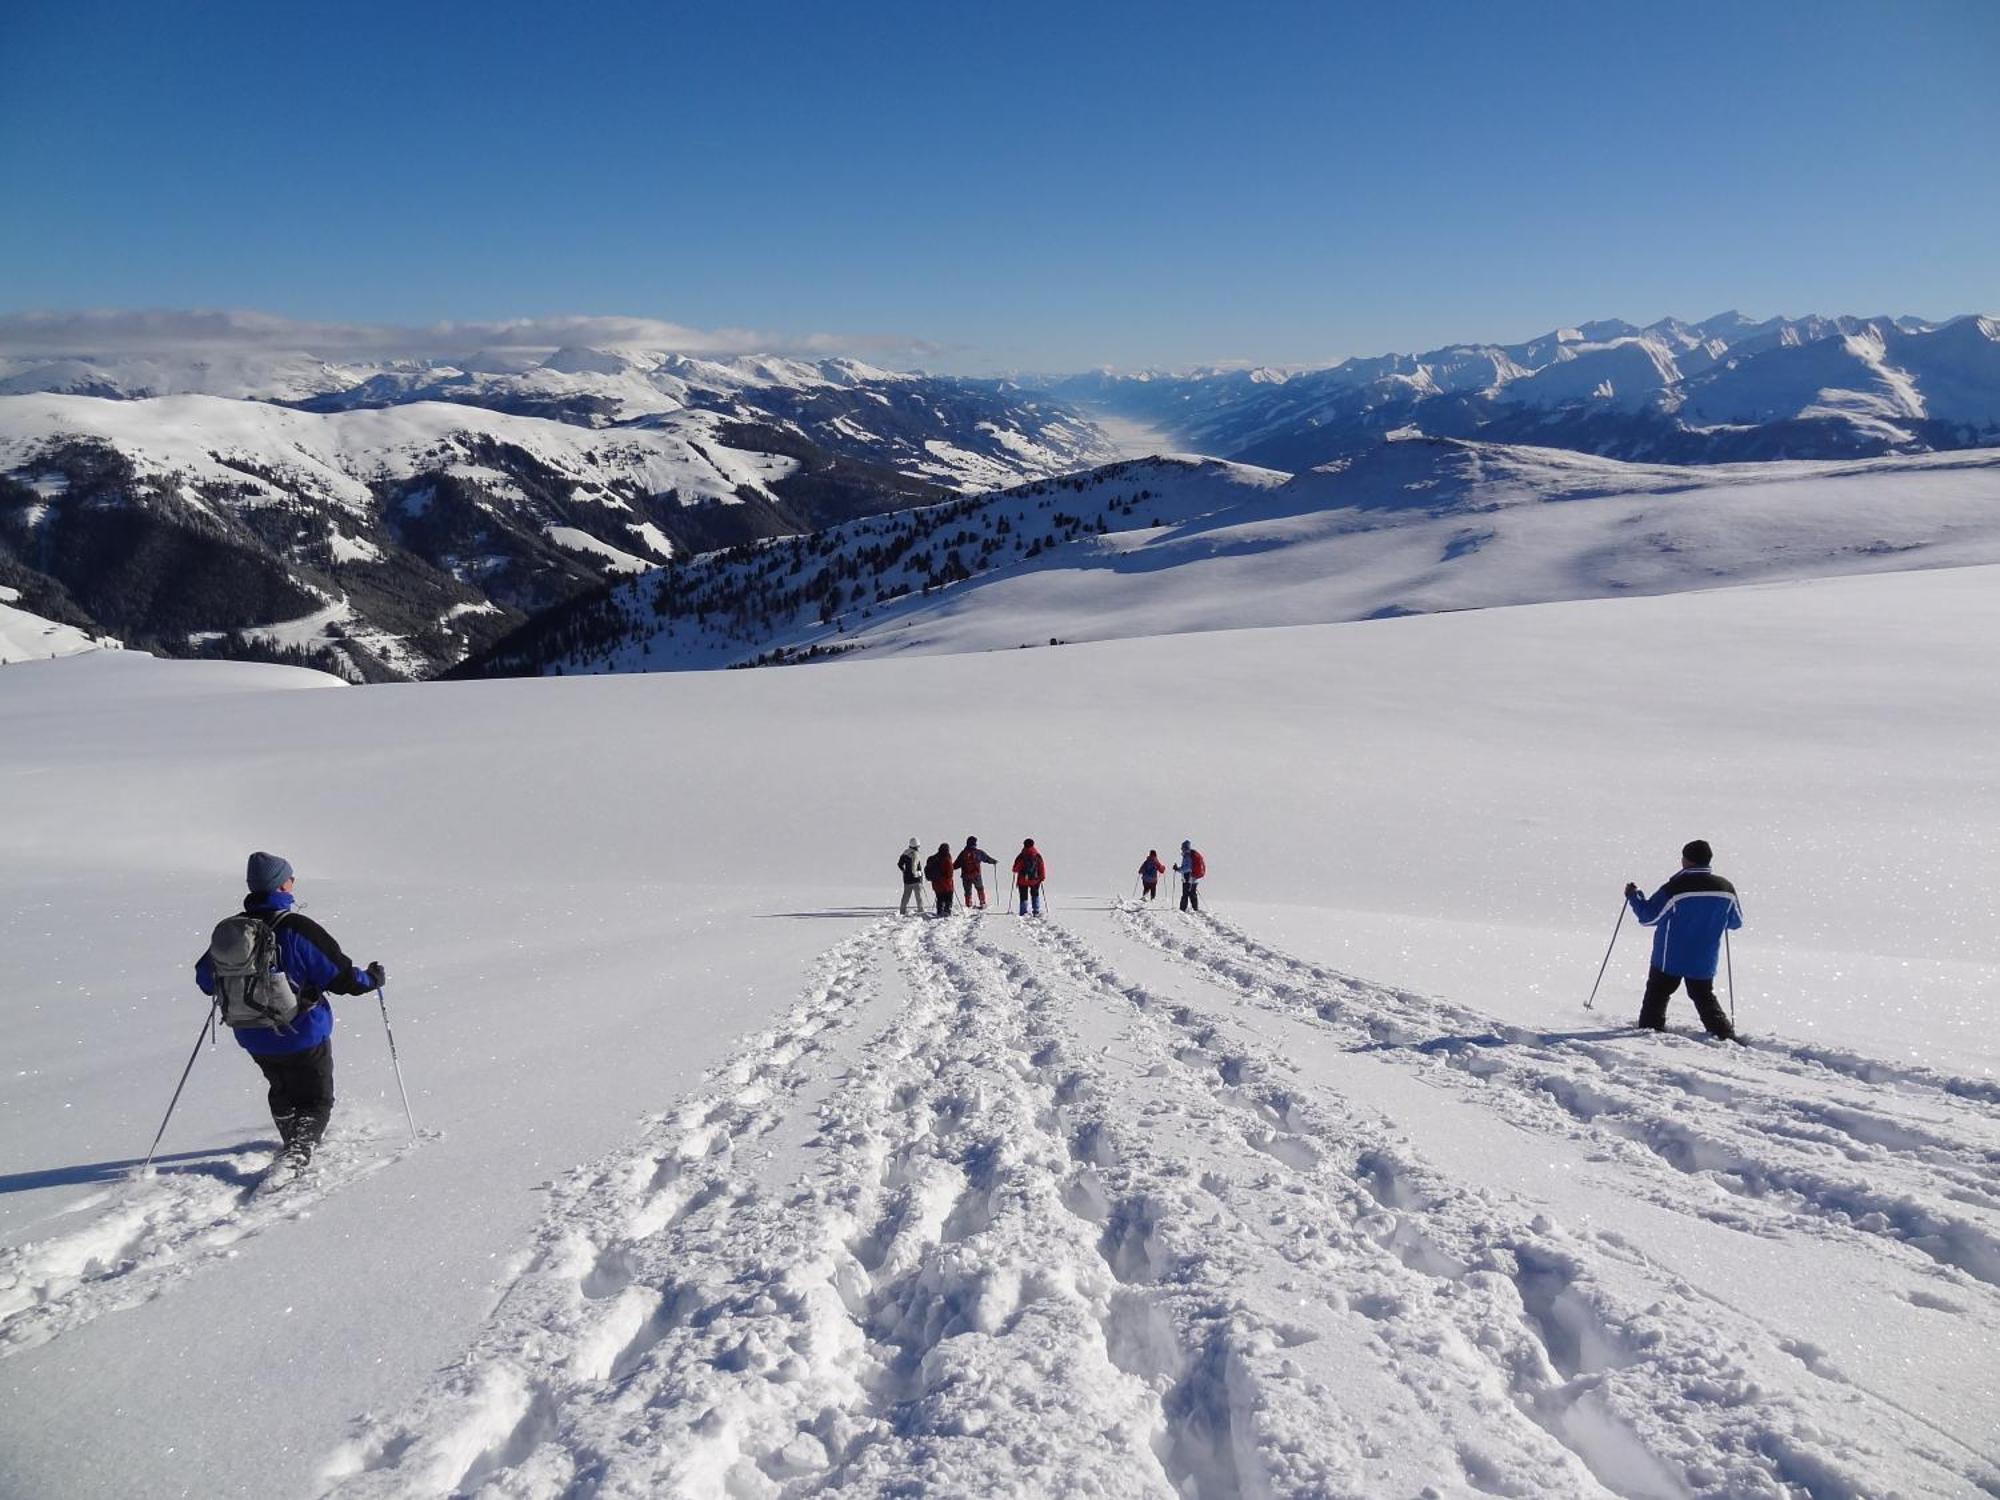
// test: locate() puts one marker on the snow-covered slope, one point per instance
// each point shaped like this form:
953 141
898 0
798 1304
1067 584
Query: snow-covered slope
29 637
385 517
390 540
1156 547
1726 389
733 1185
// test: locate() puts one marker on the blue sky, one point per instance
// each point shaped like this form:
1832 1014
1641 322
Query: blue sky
999 186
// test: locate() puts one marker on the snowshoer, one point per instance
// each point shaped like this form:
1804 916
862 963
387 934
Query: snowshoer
938 870
970 858
1689 915
1150 872
1030 870
913 881
1192 869
287 1028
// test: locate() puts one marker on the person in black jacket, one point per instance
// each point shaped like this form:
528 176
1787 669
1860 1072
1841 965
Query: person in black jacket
296 1058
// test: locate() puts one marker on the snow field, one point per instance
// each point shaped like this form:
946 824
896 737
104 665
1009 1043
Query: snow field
1058 1232
1340 1192
194 1208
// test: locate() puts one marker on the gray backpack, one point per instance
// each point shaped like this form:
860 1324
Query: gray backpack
250 989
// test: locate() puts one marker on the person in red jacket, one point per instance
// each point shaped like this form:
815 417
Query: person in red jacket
970 858
937 870
1030 870
1150 873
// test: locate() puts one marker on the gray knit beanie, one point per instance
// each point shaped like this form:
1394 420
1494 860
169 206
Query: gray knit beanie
267 871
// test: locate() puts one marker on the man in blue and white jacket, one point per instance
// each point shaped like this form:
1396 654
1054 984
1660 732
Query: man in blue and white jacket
1688 915
296 1059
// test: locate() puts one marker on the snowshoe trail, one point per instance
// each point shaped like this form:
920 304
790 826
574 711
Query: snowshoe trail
981 1216
1797 1139
150 1234
1655 1386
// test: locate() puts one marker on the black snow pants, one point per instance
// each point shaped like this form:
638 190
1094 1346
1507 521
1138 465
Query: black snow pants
1190 895
1660 984
301 1094
943 900
1150 887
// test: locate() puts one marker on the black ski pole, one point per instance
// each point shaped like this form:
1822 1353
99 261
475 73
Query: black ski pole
147 1165
1729 961
394 1061
1591 1003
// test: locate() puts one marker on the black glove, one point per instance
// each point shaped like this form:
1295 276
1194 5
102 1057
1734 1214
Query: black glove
1631 889
376 975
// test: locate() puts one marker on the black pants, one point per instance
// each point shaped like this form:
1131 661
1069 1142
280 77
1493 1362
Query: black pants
1190 896
301 1093
943 900
1660 984
974 886
1151 887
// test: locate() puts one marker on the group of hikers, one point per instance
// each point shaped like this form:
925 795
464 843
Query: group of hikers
967 871
270 968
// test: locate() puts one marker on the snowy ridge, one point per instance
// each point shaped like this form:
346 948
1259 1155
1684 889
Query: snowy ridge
959 433
29 637
1164 546
1063 1232
1723 390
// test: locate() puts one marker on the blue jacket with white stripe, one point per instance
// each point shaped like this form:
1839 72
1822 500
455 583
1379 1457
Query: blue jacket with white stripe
1689 915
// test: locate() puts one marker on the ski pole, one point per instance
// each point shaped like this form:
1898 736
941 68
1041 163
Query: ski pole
1729 961
147 1165
394 1061
1591 1003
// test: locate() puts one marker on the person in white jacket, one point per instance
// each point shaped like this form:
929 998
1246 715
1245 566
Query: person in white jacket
912 866
1191 868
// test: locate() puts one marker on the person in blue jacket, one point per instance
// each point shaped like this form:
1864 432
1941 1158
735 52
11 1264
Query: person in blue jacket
1688 915
296 1059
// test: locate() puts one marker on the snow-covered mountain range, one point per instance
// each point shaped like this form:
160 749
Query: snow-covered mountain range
1170 545
961 434
393 517
1727 389
386 519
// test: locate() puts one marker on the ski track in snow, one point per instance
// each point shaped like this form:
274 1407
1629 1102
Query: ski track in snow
981 1216
155 1232
1797 1139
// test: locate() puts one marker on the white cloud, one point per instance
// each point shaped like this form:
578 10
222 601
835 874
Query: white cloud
120 331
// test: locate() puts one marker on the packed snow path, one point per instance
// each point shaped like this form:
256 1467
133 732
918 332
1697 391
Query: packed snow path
1129 1203
193 1209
